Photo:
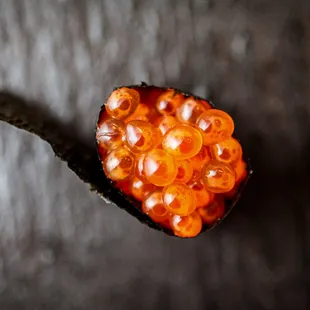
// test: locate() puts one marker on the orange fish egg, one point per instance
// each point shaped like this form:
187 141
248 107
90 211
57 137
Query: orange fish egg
164 123
141 136
203 197
213 212
159 167
119 164
228 151
189 111
215 125
240 170
186 226
218 177
122 102
182 141
141 113
110 133
185 171
206 104
179 199
153 206
139 169
196 176
140 190
201 158
168 102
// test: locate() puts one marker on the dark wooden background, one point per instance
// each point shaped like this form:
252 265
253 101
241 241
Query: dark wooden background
61 247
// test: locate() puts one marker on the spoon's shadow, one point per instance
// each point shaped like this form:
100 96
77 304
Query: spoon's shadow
80 156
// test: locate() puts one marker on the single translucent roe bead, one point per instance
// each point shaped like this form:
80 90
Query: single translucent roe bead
141 113
179 199
159 167
122 102
140 190
182 141
240 170
110 133
186 226
189 111
153 206
218 177
141 136
213 212
165 123
168 102
215 125
185 171
203 197
228 151
201 158
119 164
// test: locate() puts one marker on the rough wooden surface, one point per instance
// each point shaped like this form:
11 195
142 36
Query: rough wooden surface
61 247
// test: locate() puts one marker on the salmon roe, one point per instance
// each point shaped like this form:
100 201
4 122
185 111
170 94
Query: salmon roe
110 133
186 226
201 158
122 102
218 177
189 111
203 197
182 141
185 171
159 167
168 102
228 151
141 113
240 170
179 199
154 207
141 136
173 154
140 190
119 164
213 212
165 123
215 125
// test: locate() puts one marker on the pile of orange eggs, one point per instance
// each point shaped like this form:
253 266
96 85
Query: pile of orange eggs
173 153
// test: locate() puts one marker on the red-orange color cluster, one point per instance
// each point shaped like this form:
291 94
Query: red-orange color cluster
173 153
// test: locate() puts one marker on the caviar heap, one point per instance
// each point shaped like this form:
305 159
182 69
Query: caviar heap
172 153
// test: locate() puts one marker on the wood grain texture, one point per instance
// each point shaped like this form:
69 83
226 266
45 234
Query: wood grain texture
61 247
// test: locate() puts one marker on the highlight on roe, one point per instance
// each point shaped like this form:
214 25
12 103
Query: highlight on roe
218 177
141 136
110 133
215 126
182 141
154 207
168 102
159 167
119 164
179 199
190 110
122 102
186 226
171 153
